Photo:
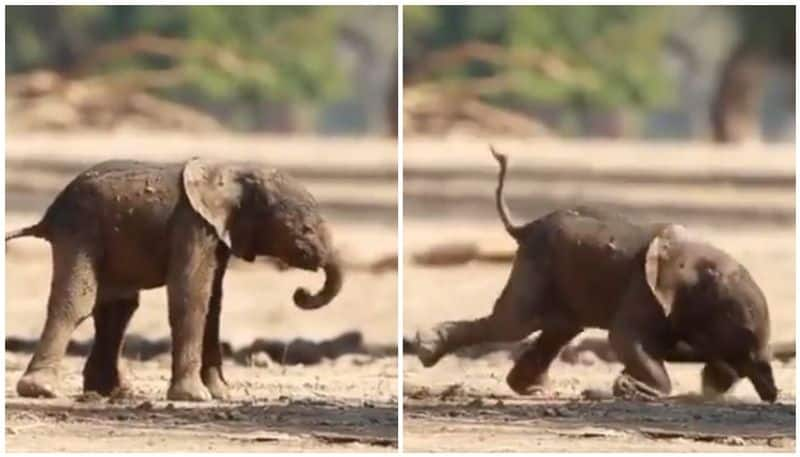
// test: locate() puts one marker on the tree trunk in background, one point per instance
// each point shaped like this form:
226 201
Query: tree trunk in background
391 99
735 107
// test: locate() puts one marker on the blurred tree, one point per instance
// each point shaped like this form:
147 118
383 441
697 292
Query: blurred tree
391 99
237 61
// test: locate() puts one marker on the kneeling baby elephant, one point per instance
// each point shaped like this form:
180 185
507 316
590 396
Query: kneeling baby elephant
123 226
650 286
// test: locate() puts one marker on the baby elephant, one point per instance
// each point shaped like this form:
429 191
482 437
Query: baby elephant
123 226
650 286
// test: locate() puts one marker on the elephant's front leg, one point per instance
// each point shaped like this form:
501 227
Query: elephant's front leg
211 371
640 348
104 372
189 287
718 377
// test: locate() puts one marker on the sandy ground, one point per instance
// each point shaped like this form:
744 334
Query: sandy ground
349 404
741 199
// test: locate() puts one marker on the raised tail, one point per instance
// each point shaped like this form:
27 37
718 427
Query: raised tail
33 230
502 209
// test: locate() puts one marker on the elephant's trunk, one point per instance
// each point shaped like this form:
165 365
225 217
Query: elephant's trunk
333 284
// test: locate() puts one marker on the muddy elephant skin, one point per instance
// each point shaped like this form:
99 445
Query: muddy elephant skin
649 285
123 226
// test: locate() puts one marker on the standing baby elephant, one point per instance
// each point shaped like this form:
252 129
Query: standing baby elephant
124 226
650 286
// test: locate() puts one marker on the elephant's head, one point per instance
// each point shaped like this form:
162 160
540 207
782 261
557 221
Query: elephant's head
257 211
713 301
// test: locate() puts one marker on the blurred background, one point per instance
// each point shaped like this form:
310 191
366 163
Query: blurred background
661 114
325 70
675 72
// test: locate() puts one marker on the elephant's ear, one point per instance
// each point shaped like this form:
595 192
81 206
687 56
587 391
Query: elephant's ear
212 193
665 263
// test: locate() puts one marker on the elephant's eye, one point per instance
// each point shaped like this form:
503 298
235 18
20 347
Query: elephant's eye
307 230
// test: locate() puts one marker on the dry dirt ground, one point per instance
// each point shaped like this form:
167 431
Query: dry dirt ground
347 404
741 199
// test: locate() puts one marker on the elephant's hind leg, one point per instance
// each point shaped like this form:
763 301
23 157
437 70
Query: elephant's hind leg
516 314
530 369
72 296
104 372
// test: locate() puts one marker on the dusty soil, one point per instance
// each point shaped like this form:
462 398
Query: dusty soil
348 404
741 199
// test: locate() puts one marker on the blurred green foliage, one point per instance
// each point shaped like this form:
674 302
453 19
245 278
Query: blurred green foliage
234 56
581 56
606 56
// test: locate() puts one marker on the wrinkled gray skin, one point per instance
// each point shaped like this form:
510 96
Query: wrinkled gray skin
650 286
124 226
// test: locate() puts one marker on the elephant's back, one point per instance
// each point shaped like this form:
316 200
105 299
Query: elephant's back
595 253
600 238
110 186
124 208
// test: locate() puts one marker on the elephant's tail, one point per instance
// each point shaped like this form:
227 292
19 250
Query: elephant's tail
502 209
33 230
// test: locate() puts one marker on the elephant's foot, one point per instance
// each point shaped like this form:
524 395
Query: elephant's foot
526 383
106 382
430 345
711 392
215 383
628 388
188 390
39 383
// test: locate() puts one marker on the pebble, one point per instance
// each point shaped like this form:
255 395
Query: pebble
595 395
733 440
777 442
89 397
261 360
145 406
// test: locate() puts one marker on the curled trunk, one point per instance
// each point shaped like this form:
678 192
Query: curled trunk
333 284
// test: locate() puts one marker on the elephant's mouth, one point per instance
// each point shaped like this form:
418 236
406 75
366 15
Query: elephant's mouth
307 261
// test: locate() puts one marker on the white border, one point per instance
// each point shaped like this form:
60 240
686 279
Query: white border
400 243
400 238
3 219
